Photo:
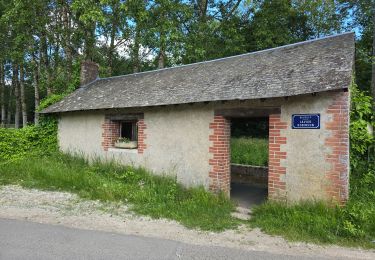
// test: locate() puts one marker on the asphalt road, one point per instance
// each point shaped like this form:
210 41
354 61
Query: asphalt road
27 240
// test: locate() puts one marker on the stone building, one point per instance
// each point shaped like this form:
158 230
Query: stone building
177 120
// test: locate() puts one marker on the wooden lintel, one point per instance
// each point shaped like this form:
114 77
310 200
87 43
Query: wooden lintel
125 117
247 112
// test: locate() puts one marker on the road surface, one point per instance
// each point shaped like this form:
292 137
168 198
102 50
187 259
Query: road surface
28 240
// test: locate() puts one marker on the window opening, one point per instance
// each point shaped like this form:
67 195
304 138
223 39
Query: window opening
128 130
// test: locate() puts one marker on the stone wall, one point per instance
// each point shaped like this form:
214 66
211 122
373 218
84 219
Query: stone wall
248 174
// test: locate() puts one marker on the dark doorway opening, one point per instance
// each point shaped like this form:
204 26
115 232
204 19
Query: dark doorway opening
249 160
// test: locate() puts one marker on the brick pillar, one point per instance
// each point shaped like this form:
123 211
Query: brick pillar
141 136
276 172
220 151
111 132
338 142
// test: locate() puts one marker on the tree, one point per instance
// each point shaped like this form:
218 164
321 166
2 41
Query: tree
363 21
275 23
324 17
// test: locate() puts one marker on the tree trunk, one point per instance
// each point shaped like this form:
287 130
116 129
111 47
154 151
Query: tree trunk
162 58
202 9
36 89
23 97
67 38
373 57
17 95
89 41
113 36
2 93
45 61
9 114
135 51
111 50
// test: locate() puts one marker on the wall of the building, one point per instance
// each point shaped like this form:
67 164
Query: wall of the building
311 163
176 143
191 143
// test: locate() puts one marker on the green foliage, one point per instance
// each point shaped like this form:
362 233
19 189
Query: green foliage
50 100
276 23
361 117
16 144
250 151
156 196
255 127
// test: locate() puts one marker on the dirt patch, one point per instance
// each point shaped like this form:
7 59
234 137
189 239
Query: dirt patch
69 210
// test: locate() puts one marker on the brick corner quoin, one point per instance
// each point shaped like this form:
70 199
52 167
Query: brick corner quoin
276 172
338 141
219 174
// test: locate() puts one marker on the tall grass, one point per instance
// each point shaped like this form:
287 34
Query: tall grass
148 194
316 222
250 151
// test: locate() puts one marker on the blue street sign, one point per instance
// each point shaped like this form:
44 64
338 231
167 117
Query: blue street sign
306 121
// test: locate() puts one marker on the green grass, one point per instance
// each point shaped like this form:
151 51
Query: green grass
250 151
349 225
316 222
148 194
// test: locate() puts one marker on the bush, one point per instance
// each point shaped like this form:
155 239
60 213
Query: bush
361 116
29 141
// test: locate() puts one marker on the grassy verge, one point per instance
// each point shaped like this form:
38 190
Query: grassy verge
250 151
317 223
350 225
149 195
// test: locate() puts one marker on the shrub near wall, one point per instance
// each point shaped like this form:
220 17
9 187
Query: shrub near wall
29 141
32 140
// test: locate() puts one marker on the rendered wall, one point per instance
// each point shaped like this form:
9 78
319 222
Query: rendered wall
191 143
311 164
177 141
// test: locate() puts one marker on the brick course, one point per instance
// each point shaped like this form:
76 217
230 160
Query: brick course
141 136
338 141
111 132
220 161
276 172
